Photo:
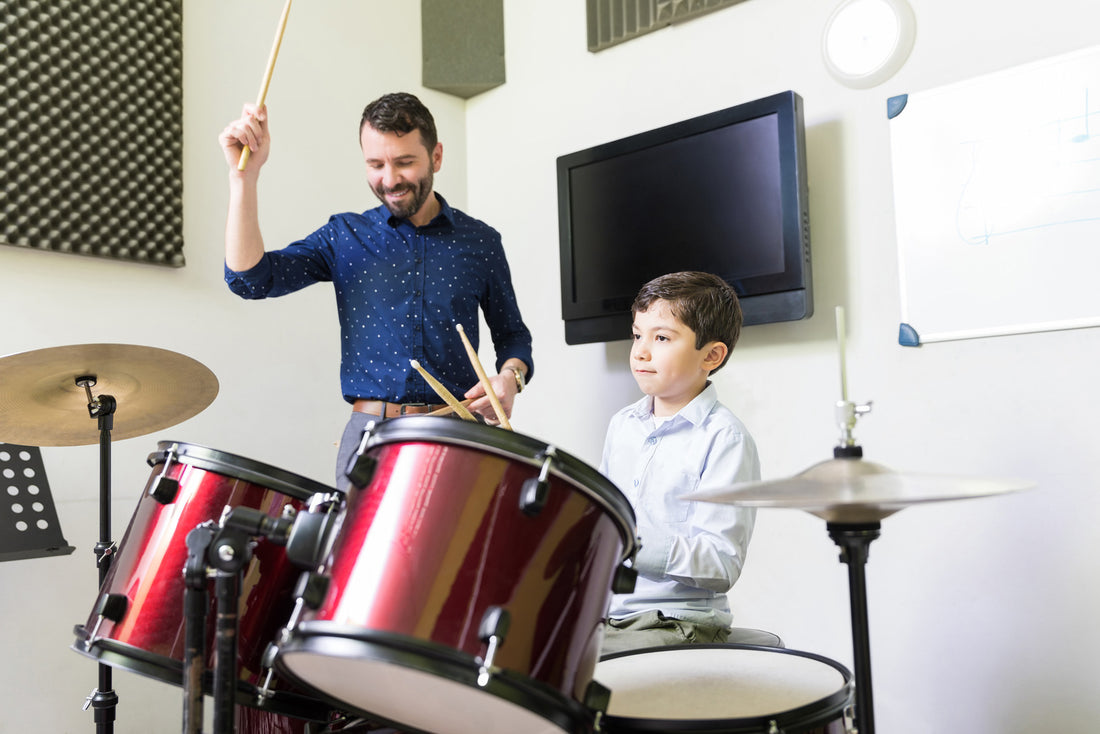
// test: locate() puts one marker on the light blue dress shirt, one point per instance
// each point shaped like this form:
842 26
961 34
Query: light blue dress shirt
691 552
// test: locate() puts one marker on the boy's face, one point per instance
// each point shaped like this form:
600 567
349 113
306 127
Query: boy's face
665 362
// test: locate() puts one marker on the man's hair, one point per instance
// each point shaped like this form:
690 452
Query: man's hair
703 302
400 113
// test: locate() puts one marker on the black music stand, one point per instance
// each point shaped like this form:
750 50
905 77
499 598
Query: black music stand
29 527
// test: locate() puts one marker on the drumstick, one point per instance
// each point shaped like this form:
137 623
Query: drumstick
447 410
484 379
443 392
246 152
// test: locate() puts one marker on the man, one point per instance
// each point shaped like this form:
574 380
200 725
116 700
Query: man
405 273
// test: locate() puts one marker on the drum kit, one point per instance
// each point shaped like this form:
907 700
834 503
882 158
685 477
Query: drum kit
458 587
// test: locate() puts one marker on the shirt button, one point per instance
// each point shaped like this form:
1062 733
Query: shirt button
635 482
652 440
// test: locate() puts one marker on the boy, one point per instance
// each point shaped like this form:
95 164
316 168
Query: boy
676 440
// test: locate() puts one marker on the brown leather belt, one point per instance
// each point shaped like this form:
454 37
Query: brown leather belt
384 409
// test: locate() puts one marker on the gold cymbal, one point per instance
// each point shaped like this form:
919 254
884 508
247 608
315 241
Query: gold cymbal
851 490
41 404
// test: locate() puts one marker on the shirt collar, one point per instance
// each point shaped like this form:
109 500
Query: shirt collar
446 215
695 412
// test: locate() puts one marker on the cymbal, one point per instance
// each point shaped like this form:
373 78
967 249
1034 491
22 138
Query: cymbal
41 404
851 490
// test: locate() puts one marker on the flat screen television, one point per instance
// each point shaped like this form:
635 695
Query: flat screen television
724 192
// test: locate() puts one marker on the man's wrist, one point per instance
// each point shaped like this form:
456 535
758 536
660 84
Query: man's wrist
518 375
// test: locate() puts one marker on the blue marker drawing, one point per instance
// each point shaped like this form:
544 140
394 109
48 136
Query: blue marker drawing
1036 179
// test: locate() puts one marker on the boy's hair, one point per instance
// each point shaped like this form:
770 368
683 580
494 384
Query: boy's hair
401 113
703 302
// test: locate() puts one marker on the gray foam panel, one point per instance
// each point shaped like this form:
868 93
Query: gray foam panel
91 133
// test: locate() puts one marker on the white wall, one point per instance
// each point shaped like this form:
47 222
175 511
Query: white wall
980 611
276 362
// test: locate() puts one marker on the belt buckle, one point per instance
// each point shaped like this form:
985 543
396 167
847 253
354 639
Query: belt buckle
405 406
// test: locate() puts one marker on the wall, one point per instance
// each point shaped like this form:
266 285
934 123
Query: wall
981 611
279 401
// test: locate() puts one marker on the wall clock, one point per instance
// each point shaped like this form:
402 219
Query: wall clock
865 42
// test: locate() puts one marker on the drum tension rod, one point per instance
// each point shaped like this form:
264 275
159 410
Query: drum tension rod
493 630
534 491
165 489
360 469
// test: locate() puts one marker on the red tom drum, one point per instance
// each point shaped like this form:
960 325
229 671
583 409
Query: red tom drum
146 634
468 581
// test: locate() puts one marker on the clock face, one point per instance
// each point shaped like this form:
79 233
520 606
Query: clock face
866 41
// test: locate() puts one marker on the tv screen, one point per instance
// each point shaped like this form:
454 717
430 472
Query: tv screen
724 193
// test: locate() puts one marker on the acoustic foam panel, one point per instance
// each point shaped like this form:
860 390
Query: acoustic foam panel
91 134
462 45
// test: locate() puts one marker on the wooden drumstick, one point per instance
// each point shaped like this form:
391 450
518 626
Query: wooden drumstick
447 410
246 152
484 380
443 392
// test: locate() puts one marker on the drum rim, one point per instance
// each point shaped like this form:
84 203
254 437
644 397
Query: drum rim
428 657
239 467
169 670
426 428
829 705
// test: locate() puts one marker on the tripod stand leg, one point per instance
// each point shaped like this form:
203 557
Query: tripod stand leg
854 542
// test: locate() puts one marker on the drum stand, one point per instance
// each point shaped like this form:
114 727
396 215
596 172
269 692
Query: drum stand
224 549
103 700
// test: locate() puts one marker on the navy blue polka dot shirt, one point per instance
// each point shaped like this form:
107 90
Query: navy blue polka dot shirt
400 291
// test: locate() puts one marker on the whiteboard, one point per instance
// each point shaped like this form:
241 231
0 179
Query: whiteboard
997 202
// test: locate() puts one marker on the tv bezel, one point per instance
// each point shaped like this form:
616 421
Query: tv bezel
777 297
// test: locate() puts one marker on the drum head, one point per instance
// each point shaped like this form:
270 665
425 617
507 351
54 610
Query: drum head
425 686
730 688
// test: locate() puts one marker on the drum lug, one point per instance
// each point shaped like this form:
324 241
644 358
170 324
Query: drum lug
533 494
597 696
360 470
311 589
626 577
309 538
109 606
850 719
493 630
165 489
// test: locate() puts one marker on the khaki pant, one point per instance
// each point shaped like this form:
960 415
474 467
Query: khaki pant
654 629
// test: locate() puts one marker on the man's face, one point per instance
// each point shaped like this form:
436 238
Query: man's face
400 170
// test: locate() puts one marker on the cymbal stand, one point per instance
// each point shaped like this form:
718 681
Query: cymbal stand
854 541
103 699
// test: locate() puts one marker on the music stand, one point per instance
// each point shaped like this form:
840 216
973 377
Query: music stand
29 527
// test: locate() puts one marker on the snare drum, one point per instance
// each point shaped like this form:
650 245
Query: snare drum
451 528
146 633
730 689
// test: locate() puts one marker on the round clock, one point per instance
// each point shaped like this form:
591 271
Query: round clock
866 41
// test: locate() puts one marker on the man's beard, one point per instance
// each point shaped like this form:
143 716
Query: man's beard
421 189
